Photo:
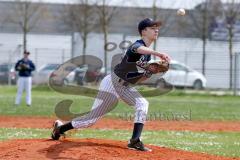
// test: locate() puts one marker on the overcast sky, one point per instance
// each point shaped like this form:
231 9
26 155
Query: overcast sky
141 3
187 4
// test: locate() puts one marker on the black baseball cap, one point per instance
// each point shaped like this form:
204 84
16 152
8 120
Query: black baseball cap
148 22
26 52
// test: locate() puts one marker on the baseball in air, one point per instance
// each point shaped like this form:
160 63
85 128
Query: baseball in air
181 12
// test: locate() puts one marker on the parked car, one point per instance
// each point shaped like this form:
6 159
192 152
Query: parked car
7 74
178 75
42 75
78 75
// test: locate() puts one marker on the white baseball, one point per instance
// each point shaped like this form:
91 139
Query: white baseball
181 12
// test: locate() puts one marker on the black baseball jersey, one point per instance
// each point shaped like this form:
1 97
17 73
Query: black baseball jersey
128 69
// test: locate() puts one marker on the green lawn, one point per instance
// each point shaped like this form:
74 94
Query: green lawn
194 106
176 103
217 143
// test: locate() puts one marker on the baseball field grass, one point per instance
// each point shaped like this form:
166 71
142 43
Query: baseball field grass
190 106
176 105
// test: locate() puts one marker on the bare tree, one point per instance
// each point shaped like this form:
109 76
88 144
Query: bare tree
106 14
2 21
231 11
26 15
202 29
81 18
200 21
201 18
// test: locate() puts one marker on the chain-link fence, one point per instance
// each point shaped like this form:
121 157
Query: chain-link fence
39 56
217 70
47 56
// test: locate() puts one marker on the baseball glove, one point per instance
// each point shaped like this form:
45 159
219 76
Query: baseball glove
158 67
23 66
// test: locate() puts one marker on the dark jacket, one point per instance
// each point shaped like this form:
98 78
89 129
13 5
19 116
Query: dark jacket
24 67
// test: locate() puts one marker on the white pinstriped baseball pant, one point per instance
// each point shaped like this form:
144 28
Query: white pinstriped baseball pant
102 105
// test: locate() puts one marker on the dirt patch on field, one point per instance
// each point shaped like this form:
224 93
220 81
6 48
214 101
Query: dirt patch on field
107 123
94 149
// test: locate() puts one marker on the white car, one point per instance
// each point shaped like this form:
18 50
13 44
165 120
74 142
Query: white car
43 74
178 75
76 75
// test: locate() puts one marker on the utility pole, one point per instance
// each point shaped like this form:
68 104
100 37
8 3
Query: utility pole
236 73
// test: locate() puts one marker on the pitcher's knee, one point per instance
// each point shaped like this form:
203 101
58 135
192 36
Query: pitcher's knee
141 111
142 105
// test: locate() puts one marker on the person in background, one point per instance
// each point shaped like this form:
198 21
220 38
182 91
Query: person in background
24 67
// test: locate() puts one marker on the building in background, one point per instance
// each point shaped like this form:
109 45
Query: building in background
52 41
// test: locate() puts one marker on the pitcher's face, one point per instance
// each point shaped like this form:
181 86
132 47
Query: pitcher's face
151 33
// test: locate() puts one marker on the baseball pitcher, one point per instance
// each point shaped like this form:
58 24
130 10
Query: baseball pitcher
132 69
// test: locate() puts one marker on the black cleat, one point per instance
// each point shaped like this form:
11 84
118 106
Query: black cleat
137 145
56 130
